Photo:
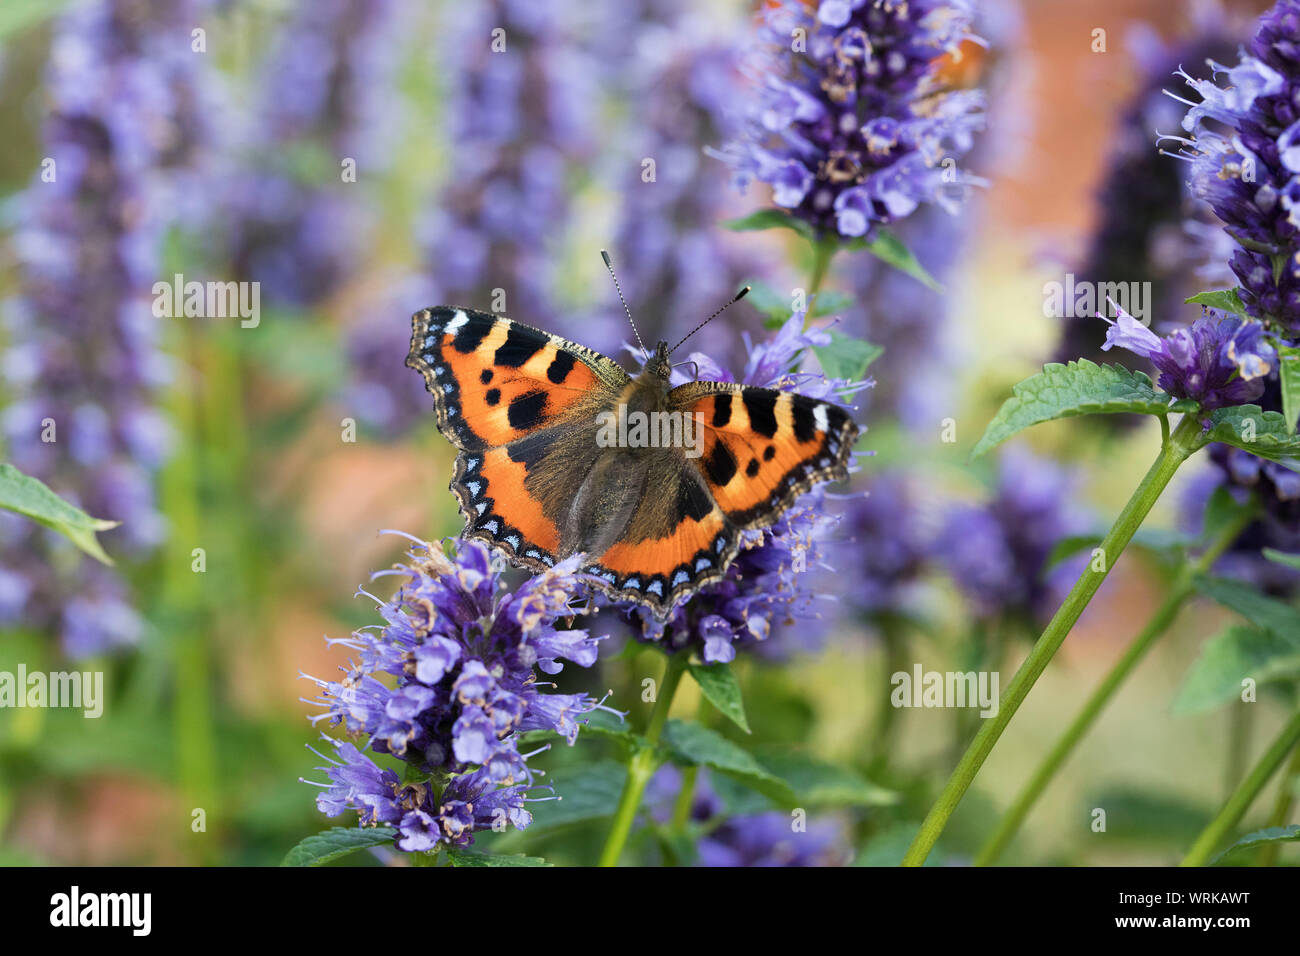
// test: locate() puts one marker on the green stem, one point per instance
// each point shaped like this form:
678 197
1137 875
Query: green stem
642 765
823 252
1155 628
1282 806
1184 440
686 795
1234 765
1237 805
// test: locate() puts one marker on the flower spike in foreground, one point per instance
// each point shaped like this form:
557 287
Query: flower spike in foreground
1217 362
458 654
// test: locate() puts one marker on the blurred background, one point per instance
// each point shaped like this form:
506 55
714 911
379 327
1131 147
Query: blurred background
362 159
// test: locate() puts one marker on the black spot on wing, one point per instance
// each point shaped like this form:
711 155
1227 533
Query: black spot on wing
721 410
760 405
560 367
526 411
752 468
769 453
520 345
470 335
492 396
720 466
485 376
805 426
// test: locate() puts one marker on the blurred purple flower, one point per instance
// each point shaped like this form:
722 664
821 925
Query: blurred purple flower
997 552
125 136
854 127
462 650
297 226
756 839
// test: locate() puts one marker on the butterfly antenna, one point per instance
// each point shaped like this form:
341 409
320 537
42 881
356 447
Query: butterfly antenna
619 289
738 296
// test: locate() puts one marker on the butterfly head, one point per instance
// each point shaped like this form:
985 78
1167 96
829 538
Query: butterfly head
657 364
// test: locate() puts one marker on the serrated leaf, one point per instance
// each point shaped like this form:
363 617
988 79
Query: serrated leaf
847 358
1286 834
1284 558
1262 611
1225 300
692 744
474 858
718 684
817 783
31 498
1289 371
769 219
891 250
1254 430
320 848
1063 391
1226 660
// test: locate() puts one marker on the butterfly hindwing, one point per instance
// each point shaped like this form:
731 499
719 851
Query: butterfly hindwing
763 448
677 540
507 395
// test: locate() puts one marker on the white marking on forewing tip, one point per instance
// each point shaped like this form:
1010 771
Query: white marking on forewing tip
457 320
819 416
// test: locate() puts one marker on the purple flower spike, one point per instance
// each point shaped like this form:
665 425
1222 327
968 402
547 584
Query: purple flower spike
857 130
463 651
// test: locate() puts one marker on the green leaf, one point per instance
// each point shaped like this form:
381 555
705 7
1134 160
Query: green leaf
1289 369
1266 612
1286 834
474 858
769 219
817 783
846 357
1226 660
1148 817
692 744
1250 428
32 498
588 792
337 842
778 308
1284 558
1062 391
718 684
830 301
889 249
1225 300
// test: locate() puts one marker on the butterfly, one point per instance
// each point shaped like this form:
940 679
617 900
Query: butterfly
562 452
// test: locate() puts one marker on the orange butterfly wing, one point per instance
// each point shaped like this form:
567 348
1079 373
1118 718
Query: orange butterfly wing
764 448
498 387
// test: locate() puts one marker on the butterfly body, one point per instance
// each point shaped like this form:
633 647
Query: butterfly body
562 452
